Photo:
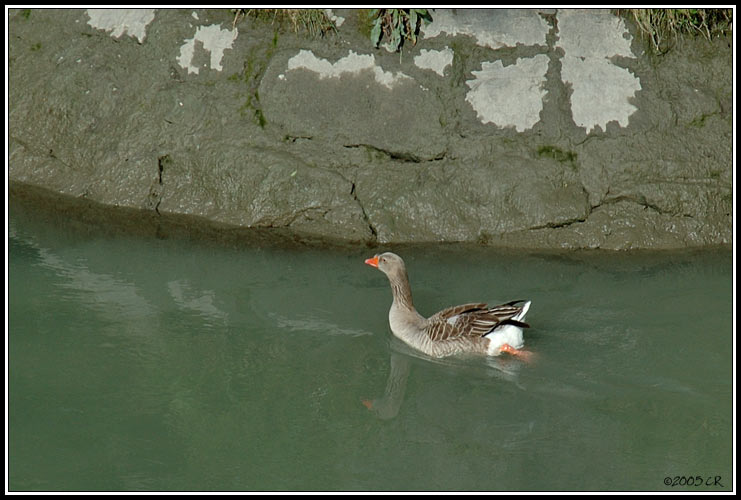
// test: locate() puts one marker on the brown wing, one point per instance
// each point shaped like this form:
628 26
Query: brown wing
452 322
455 310
471 320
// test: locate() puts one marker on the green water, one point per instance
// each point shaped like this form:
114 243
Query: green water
145 364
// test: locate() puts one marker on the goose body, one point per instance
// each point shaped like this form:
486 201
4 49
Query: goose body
474 328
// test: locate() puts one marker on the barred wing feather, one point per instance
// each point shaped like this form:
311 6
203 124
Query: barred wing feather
472 320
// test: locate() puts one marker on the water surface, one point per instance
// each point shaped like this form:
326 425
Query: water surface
146 364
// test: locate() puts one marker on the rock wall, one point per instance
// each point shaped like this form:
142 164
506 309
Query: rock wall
515 127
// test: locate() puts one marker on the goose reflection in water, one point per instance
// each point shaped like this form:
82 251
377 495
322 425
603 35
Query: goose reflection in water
388 405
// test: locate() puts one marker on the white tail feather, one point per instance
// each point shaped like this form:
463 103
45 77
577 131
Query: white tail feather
507 334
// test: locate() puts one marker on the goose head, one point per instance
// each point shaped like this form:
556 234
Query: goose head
390 264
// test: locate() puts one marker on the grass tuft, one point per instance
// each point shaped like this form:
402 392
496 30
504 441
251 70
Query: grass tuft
315 21
663 25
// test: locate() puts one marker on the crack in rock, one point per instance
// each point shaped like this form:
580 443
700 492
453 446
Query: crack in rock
354 194
155 190
638 200
642 201
398 156
558 225
365 215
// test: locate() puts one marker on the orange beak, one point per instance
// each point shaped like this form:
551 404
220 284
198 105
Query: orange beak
373 261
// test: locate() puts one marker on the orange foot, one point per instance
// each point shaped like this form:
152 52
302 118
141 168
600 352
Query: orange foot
368 404
524 355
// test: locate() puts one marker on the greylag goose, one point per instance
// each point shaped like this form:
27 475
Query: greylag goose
474 327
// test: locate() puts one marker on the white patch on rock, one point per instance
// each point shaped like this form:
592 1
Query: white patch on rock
351 64
601 89
119 21
214 40
509 96
600 92
436 60
592 33
493 28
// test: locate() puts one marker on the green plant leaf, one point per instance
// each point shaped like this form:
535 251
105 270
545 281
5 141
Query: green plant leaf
396 39
424 14
375 35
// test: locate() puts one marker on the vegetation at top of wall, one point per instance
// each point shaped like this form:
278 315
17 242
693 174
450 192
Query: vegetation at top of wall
663 25
397 25
314 21
394 25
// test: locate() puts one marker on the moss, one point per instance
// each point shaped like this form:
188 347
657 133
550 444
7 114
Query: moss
484 238
254 66
715 174
253 106
260 118
365 22
373 155
26 13
248 64
35 47
699 121
557 154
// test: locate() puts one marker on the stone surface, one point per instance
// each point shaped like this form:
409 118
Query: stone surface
352 102
516 127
